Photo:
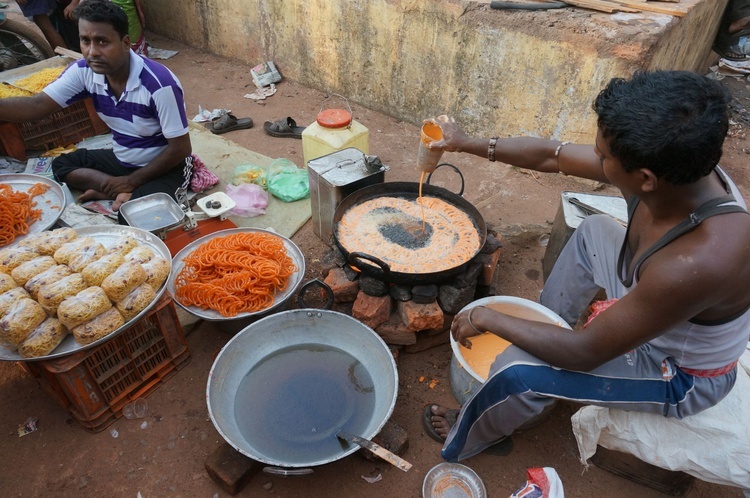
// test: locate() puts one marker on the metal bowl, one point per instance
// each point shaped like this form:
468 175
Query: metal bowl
51 202
107 235
452 480
178 263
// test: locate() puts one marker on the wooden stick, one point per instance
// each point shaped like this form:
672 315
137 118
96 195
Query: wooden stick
602 5
658 7
68 53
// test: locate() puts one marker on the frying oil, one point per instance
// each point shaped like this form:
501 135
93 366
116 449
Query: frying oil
291 405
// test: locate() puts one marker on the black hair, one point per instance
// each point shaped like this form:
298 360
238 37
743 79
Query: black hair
103 11
671 122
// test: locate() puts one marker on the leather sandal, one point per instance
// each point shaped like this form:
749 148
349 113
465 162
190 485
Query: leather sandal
284 127
228 122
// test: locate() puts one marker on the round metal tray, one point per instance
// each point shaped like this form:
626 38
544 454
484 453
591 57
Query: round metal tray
52 202
295 279
107 235
452 480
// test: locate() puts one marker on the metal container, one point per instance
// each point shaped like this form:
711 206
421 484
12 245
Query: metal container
333 177
569 216
153 212
300 328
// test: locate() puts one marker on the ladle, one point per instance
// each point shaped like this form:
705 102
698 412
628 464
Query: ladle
375 449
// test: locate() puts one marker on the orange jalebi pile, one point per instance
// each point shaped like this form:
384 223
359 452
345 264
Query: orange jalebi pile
235 273
17 211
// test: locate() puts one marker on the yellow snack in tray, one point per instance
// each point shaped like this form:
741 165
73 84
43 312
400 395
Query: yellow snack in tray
25 271
69 249
123 245
43 339
104 324
13 256
37 81
123 280
19 321
84 306
51 295
157 271
136 301
48 276
96 272
141 254
7 91
86 255
9 297
7 282
48 242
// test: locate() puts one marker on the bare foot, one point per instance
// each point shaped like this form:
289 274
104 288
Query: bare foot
124 197
92 195
440 423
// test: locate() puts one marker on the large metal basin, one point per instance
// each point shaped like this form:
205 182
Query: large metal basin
298 328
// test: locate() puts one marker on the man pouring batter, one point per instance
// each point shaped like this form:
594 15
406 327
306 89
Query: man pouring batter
677 278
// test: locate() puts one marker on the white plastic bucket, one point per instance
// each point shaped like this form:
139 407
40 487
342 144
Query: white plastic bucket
465 381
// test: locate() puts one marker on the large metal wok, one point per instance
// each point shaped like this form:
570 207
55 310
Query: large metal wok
246 355
371 264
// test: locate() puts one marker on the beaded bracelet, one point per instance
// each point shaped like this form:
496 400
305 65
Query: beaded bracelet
469 319
491 149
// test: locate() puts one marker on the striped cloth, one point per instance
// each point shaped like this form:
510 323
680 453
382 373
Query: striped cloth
149 111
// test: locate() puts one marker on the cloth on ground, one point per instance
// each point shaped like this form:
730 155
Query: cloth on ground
713 445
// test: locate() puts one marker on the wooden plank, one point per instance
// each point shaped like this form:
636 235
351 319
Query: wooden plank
658 7
601 5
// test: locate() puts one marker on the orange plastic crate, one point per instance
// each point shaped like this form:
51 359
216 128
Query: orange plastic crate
95 384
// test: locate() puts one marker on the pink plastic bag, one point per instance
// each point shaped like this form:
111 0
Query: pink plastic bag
251 199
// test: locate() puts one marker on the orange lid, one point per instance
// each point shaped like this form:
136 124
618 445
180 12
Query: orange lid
334 118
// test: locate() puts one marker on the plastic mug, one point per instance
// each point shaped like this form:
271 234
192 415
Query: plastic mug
135 409
428 159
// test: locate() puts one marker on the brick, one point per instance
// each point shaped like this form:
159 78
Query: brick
372 310
426 341
230 469
394 331
420 316
489 265
392 437
344 290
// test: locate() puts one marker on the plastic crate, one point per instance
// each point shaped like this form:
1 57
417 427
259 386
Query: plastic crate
95 384
60 129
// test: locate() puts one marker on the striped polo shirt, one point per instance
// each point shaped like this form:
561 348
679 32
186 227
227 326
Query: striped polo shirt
149 111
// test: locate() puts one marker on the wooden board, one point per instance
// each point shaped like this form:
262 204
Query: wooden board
663 7
602 5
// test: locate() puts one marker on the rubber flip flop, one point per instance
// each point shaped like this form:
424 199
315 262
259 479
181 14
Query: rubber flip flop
228 122
725 44
502 447
284 127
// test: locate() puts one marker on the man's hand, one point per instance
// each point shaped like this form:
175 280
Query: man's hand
465 326
68 12
453 135
115 185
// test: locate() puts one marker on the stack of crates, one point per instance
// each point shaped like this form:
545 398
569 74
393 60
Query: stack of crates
93 385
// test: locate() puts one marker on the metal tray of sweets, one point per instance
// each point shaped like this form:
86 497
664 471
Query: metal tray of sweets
281 297
52 202
107 235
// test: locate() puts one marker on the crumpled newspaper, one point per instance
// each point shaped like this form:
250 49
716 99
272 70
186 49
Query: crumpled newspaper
206 115
262 93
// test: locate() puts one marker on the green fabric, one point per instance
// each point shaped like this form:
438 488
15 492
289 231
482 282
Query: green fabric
134 21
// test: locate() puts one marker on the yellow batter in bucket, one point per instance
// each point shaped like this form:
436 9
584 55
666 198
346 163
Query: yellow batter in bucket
487 346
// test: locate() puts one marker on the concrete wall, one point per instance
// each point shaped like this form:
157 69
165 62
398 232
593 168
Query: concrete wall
506 72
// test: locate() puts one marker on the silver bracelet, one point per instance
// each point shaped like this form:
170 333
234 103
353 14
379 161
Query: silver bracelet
557 155
491 149
470 322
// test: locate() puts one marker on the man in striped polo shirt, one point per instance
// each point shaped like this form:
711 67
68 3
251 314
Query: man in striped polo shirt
140 100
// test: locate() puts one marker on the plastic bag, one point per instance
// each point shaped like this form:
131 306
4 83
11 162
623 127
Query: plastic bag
250 198
287 182
542 482
249 173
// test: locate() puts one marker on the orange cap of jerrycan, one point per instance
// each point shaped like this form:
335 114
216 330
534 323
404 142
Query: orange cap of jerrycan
334 118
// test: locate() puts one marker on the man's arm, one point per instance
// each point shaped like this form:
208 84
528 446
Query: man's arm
546 156
177 149
671 290
23 109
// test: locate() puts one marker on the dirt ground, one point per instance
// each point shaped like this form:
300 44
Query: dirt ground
166 455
